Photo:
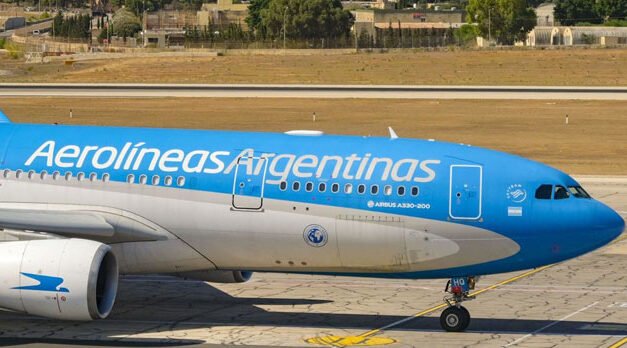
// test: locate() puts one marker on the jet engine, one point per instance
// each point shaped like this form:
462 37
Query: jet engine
70 279
218 276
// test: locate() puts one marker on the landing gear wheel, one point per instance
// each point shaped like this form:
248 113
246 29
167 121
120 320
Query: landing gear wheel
455 319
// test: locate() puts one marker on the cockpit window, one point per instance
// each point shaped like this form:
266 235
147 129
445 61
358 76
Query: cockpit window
578 192
544 191
561 192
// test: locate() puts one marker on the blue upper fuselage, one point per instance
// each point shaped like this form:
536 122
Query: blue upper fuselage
538 207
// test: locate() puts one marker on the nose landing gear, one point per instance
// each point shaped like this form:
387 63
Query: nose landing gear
456 318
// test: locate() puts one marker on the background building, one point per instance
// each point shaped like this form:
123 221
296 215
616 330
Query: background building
372 21
223 13
545 16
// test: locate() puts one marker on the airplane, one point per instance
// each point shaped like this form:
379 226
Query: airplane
80 205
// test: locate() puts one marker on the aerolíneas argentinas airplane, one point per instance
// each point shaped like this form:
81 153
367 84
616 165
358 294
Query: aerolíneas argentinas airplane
78 205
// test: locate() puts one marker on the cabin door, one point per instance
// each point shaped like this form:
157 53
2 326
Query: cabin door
249 182
465 192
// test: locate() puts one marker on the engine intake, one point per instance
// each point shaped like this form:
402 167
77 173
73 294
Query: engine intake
72 279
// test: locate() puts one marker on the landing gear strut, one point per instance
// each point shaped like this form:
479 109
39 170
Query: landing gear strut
456 318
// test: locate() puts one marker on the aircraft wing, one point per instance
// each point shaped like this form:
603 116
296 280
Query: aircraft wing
96 223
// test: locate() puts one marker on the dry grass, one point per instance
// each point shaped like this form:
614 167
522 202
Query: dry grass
591 67
595 141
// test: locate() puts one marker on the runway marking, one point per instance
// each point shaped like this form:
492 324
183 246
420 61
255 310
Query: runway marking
619 343
371 333
515 342
337 341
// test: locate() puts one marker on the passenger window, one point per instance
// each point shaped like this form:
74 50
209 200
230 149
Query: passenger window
68 176
105 177
55 175
18 173
143 179
361 189
415 191
180 181
130 178
401 190
348 188
322 187
387 190
296 186
544 191
283 185
43 174
561 192
335 188
309 186
80 176
31 174
93 177
155 180
168 180
5 174
374 189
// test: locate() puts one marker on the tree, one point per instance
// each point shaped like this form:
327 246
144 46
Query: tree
504 20
466 34
254 15
306 19
536 3
611 9
569 12
125 23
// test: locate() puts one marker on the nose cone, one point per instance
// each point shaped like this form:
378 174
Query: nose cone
608 224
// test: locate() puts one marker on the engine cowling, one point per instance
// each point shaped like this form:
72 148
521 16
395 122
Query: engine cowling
71 279
217 276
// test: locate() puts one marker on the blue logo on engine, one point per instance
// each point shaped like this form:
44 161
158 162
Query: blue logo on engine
46 283
315 235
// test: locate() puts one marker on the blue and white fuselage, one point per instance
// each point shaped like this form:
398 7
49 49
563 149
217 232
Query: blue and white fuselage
189 200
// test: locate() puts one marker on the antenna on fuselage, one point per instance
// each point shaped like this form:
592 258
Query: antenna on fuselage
392 133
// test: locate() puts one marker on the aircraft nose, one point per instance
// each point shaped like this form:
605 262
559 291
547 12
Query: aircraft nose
608 223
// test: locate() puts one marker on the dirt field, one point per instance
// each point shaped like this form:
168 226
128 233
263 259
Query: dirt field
586 67
595 141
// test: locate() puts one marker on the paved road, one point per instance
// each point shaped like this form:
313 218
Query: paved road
315 91
578 303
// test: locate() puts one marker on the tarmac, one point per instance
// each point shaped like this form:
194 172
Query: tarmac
577 303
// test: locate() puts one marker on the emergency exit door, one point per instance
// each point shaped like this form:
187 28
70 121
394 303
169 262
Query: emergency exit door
249 182
465 192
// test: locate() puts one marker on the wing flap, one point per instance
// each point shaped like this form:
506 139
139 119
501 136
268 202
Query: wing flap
103 224
59 222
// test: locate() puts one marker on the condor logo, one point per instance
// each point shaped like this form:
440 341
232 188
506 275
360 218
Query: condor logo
46 283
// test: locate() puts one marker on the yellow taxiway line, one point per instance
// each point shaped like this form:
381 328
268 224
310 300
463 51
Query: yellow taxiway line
367 339
444 305
619 343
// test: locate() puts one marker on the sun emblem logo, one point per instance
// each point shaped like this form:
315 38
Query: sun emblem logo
516 193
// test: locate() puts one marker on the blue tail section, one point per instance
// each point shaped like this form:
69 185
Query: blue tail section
4 118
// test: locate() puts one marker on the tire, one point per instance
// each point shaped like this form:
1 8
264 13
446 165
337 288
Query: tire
454 319
466 314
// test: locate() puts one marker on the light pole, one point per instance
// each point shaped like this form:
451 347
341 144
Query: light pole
284 26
